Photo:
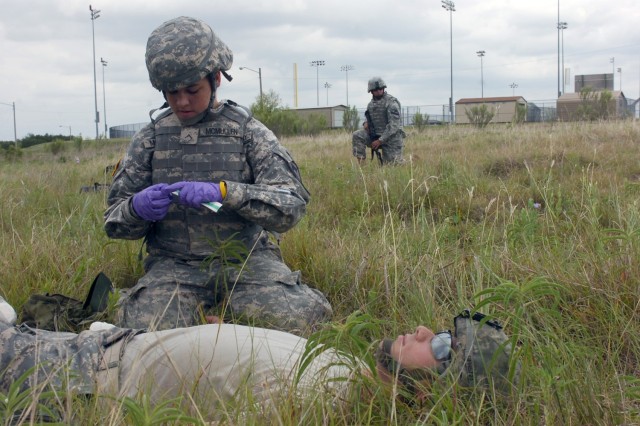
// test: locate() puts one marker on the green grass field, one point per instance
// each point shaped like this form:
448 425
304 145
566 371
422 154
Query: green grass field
538 225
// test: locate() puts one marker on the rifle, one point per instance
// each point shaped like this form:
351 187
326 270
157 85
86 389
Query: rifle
373 136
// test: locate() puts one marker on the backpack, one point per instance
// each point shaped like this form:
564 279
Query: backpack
57 312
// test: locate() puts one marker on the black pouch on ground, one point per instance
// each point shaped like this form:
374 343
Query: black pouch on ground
57 312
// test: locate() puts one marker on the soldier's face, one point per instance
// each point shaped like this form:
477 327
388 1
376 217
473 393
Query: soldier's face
190 101
415 350
377 93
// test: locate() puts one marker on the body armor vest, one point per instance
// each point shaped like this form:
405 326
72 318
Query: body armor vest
209 151
378 111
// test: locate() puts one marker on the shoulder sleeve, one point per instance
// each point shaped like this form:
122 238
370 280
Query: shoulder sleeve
277 198
133 176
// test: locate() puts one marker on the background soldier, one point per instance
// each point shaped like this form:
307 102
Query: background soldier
199 151
385 122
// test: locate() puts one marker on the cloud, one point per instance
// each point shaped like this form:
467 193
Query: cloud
47 53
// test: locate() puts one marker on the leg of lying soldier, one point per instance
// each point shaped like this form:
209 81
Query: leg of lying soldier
267 293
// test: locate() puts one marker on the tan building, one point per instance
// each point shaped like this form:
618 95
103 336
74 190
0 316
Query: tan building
333 115
503 107
569 104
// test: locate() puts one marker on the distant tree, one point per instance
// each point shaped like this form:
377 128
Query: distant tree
520 114
351 119
265 106
11 153
480 115
57 146
283 121
595 105
420 121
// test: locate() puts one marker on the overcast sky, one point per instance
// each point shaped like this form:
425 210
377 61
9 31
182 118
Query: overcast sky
47 56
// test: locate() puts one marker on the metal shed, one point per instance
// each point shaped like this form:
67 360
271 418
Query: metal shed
569 104
333 115
504 108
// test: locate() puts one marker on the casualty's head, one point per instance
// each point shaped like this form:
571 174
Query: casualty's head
477 354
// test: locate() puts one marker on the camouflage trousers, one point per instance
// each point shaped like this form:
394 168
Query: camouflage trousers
263 291
391 150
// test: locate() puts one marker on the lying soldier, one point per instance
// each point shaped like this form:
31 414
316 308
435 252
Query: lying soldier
219 362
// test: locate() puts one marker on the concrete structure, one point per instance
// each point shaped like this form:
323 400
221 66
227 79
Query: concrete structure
594 81
333 115
503 107
569 105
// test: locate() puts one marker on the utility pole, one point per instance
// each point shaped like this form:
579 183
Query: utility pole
450 6
481 55
562 26
327 86
259 72
513 88
95 14
15 134
104 99
317 64
346 69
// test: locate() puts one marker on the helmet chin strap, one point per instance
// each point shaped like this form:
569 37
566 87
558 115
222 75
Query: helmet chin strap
383 356
405 376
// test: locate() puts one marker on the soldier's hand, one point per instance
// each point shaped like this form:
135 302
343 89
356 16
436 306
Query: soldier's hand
152 203
193 194
376 144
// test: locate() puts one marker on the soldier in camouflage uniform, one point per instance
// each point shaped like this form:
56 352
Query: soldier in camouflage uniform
202 151
224 358
360 141
52 355
386 123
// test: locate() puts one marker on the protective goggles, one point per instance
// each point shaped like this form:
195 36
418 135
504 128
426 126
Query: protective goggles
441 345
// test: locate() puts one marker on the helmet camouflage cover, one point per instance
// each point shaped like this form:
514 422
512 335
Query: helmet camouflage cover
376 83
182 51
482 356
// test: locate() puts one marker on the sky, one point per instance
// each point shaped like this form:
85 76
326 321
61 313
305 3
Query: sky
47 59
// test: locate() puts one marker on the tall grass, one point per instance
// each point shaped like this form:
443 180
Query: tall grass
535 224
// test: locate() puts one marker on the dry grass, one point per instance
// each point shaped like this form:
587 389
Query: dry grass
538 224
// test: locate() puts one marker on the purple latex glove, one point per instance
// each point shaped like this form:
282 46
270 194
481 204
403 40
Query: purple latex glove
193 194
152 203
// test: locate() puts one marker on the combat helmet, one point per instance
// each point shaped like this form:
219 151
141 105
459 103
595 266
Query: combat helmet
376 83
480 357
482 354
182 51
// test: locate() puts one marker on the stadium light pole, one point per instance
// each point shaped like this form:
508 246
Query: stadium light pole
95 14
558 28
513 88
327 85
450 6
259 72
346 69
15 134
613 73
481 55
317 64
620 72
70 137
563 26
104 99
